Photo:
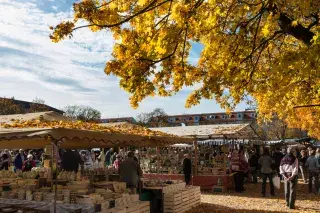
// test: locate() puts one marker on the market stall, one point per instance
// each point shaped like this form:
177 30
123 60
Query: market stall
211 167
78 188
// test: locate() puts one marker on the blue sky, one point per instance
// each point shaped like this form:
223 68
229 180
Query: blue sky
70 72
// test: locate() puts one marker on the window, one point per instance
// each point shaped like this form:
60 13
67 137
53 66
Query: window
224 116
253 115
172 119
196 118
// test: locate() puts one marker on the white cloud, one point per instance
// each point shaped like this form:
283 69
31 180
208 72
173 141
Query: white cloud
70 72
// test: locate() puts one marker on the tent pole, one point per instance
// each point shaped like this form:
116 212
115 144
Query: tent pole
195 144
54 159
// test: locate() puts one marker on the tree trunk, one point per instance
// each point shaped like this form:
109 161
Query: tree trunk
299 32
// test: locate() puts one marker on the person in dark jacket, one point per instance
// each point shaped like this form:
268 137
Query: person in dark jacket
277 157
302 165
4 162
254 165
130 172
19 160
108 157
71 161
187 169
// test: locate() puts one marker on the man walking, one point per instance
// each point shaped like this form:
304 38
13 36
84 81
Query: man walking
289 168
313 169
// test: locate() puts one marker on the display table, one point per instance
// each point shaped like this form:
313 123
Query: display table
206 182
61 208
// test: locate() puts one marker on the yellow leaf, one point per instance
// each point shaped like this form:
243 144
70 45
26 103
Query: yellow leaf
142 2
112 5
294 23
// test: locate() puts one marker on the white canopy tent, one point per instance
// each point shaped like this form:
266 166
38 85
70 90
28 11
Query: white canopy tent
205 132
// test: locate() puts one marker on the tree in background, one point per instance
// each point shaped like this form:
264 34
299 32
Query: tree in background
268 49
8 107
157 117
83 113
38 105
276 129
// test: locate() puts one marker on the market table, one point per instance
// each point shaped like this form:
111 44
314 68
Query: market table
206 182
61 208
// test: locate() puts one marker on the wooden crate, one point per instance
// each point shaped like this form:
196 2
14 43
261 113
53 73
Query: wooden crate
176 197
143 204
132 208
145 209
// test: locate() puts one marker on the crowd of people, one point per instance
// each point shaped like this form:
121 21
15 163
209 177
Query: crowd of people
286 164
22 160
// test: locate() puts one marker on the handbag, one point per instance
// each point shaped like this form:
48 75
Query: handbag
276 181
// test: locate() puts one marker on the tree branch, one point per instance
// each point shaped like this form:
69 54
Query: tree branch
299 32
144 10
262 44
184 47
306 106
316 17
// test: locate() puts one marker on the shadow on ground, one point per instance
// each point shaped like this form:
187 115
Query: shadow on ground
254 191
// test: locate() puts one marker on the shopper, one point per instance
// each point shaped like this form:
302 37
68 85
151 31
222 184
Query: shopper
108 157
117 162
254 165
4 165
28 164
239 166
277 157
318 154
113 158
71 160
187 168
313 170
129 172
9 158
289 168
87 160
19 160
302 165
265 161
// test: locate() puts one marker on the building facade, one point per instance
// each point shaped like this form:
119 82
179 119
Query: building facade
247 116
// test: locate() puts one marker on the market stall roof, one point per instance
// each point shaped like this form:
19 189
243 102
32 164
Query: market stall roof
231 142
212 131
289 141
47 116
20 133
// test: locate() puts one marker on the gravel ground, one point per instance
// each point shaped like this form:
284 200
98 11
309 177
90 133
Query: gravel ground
251 201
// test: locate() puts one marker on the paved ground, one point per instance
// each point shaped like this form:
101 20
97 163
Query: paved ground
251 201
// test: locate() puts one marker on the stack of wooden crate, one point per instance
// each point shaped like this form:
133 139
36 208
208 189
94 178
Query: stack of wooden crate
194 196
185 195
172 202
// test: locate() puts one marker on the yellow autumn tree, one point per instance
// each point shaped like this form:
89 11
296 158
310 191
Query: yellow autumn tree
268 49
